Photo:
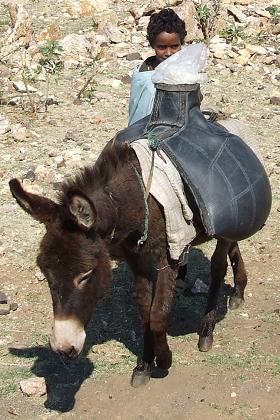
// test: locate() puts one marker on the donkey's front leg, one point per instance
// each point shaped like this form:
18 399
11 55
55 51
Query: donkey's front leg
144 276
218 272
160 313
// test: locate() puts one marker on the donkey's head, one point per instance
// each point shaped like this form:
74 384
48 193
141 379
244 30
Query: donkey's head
73 258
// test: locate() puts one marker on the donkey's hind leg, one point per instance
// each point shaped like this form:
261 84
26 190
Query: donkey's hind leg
240 276
218 272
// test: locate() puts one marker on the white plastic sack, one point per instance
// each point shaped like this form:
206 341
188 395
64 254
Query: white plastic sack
183 67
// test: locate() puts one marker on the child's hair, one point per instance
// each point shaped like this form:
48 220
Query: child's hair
165 21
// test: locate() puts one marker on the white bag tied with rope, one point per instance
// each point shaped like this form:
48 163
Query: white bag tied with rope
184 67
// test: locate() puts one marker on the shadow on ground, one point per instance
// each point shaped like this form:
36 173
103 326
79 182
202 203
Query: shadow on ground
116 318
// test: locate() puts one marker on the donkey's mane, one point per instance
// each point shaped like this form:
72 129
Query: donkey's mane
109 162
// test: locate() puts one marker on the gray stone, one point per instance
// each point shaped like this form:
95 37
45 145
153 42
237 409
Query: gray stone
4 311
72 135
275 100
30 174
133 56
13 306
20 86
3 297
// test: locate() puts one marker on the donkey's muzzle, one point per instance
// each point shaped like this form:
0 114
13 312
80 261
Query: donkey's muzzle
67 337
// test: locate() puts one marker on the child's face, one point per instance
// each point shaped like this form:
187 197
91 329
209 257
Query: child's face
166 44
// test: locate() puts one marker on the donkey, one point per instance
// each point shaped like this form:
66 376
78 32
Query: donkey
100 216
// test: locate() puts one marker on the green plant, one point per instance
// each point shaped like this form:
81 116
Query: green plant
207 14
233 33
275 13
51 63
89 86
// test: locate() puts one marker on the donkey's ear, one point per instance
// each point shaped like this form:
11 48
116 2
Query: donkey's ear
40 208
82 209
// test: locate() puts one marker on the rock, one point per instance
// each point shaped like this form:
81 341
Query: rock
33 386
126 79
271 59
225 72
116 84
4 71
233 67
187 12
51 100
219 55
50 33
16 100
236 12
105 18
30 174
97 120
39 275
59 160
243 57
19 132
137 12
276 29
138 39
242 2
275 100
3 297
143 23
4 124
116 34
256 49
13 306
79 50
4 311
22 26
41 172
263 13
73 135
277 60
133 56
77 8
20 86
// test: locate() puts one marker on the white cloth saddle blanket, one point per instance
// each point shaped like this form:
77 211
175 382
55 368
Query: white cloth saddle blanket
167 188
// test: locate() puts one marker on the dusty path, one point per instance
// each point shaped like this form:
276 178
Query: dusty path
239 378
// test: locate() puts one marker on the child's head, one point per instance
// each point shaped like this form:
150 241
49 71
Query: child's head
166 33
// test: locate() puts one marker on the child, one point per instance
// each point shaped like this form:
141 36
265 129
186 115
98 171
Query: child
166 34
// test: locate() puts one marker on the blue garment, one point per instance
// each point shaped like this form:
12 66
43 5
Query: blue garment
142 93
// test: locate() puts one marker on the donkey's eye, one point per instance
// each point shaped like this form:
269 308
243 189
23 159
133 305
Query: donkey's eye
82 279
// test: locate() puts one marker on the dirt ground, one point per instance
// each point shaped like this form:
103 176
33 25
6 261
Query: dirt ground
239 378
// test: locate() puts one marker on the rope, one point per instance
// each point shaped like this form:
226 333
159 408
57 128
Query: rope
153 145
146 219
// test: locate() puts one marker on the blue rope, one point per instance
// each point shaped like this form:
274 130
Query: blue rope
146 220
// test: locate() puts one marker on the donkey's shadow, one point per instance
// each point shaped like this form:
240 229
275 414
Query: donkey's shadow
116 318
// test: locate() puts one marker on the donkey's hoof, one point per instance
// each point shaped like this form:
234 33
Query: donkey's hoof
205 343
164 361
141 375
235 302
